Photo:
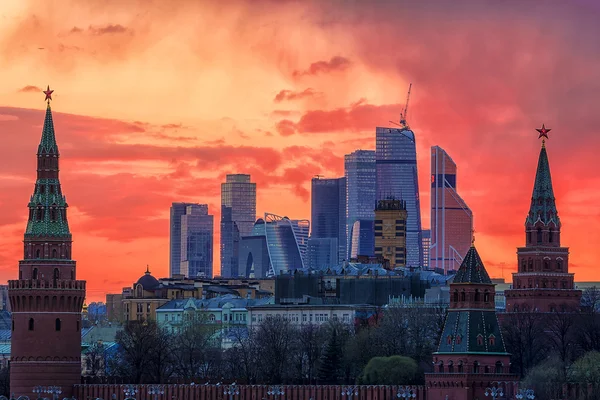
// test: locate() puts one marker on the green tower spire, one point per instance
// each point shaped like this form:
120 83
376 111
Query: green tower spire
47 205
48 143
543 203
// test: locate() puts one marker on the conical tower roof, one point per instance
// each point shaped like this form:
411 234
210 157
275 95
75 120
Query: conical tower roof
48 142
543 203
472 269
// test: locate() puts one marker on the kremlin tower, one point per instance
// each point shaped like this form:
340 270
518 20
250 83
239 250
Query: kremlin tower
471 355
543 282
47 298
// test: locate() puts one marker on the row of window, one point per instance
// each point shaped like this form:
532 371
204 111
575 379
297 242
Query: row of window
57 324
321 317
499 367
476 296
38 214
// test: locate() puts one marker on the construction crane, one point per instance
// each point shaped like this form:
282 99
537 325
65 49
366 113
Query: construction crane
403 124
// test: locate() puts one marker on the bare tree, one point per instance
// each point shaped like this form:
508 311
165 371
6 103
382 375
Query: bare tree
95 359
524 339
275 341
310 347
590 300
192 350
560 331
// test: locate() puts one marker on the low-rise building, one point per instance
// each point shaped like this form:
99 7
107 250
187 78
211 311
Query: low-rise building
313 314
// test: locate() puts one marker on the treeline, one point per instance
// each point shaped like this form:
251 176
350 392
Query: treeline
277 352
552 350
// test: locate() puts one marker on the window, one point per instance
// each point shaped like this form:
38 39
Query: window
463 296
460 367
486 297
441 367
539 235
77 326
456 296
450 366
57 324
550 236
477 295
56 271
492 340
476 367
458 339
479 340
499 367
449 339
31 324
37 255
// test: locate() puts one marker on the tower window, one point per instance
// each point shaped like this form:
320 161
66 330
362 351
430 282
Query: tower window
51 188
456 296
479 340
551 236
34 274
463 296
486 297
42 189
477 295
54 253
77 326
56 272
539 235
31 324
57 324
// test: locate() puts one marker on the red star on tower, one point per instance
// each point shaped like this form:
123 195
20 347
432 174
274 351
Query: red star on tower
543 132
48 94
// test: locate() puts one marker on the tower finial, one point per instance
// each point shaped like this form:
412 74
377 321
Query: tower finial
472 237
148 268
48 94
543 133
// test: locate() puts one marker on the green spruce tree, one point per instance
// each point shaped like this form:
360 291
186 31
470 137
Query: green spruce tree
331 361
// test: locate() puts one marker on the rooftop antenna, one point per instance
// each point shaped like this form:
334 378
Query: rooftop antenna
318 176
403 114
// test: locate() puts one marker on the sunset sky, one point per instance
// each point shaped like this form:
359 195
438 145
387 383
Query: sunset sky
156 101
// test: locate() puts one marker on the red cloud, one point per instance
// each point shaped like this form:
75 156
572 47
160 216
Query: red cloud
291 95
336 63
30 89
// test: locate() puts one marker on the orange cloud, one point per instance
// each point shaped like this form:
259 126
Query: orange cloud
291 95
30 89
336 63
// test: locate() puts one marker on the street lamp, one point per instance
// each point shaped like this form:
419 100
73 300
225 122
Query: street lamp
130 392
156 390
231 390
406 392
275 391
525 394
349 391
494 392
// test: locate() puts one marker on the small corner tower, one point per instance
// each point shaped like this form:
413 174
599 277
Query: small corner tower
542 282
471 355
47 298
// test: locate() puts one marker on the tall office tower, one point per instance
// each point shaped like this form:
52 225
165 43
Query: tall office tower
426 246
363 238
360 173
230 244
390 231
197 242
543 282
321 253
396 159
451 218
177 211
46 298
239 194
328 212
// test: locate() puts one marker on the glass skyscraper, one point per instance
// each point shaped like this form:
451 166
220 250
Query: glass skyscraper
197 242
287 242
328 212
363 238
239 195
451 218
397 178
360 173
177 211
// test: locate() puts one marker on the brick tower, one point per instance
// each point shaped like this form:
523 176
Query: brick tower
471 355
543 282
46 300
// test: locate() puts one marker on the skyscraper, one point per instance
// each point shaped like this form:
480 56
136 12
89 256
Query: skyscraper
46 299
230 244
177 211
543 282
238 194
426 233
360 173
328 212
363 238
396 160
451 218
286 240
197 242
390 231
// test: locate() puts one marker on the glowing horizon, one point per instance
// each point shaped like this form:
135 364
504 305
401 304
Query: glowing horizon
157 106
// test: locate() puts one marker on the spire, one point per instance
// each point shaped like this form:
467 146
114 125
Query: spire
48 206
472 269
543 205
48 142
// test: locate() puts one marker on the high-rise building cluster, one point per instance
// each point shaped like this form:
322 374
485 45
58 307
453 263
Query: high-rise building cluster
371 213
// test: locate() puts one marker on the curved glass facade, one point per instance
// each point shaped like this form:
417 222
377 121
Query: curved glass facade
286 242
